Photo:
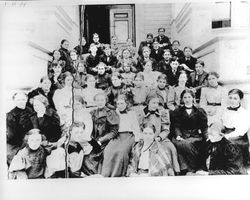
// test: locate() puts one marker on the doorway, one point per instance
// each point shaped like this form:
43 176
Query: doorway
109 20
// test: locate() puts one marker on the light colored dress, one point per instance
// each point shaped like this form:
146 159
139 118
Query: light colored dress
213 101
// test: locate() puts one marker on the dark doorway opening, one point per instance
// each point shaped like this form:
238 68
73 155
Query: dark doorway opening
96 20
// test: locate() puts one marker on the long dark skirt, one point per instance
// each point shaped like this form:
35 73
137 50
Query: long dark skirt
116 155
243 143
190 153
11 152
92 163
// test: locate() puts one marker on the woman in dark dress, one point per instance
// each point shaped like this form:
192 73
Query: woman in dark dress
105 128
65 54
46 119
116 154
17 124
190 133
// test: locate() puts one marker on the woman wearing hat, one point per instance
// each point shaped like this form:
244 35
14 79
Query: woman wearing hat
160 119
190 133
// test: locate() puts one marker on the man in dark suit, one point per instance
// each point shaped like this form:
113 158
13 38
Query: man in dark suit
173 72
175 49
164 64
156 52
198 79
188 61
163 39
148 42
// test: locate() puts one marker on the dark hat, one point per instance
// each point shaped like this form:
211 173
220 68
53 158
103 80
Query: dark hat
150 35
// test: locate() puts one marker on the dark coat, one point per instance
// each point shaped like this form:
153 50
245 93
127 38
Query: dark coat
157 55
112 60
49 124
173 78
17 125
39 91
193 125
103 81
57 85
179 53
162 40
225 158
85 49
163 66
197 84
106 123
91 62
113 93
143 44
65 55
190 63
140 64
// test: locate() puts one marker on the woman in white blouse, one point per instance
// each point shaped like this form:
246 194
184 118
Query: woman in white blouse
213 98
236 122
116 154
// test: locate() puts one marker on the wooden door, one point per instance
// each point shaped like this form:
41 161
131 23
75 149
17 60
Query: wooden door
121 24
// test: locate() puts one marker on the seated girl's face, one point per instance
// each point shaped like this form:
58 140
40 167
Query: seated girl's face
182 79
175 45
188 99
212 80
38 105
148 67
20 100
101 69
148 135
214 135
68 81
107 51
77 134
91 82
162 83
174 64
138 82
100 101
167 55
127 67
73 56
199 68
57 69
187 52
34 141
126 54
45 85
56 55
121 104
146 53
153 104
116 81
80 67
234 100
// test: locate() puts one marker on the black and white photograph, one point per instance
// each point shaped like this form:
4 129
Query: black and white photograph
125 91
